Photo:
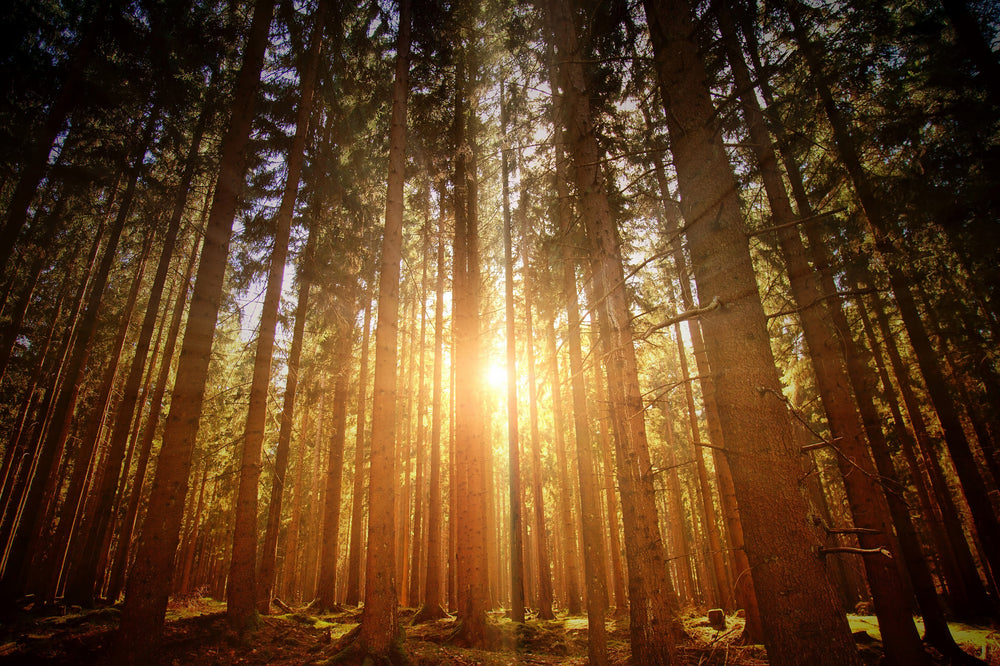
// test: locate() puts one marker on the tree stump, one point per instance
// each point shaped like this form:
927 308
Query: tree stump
717 618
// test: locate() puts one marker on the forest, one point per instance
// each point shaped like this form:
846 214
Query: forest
491 332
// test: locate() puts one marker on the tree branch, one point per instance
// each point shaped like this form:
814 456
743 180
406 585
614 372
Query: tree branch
855 551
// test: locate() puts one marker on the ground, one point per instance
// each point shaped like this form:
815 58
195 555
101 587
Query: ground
197 634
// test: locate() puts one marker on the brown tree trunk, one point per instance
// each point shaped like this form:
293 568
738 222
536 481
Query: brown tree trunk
513 441
379 632
432 607
81 579
269 552
29 527
951 517
241 592
593 529
131 511
291 565
472 485
418 483
880 226
610 496
539 526
795 597
326 586
353 594
570 556
86 570
148 587
652 598
868 505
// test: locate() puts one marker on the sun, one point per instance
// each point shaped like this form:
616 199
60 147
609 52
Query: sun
496 376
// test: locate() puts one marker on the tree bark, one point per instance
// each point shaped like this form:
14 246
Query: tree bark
28 529
269 552
433 599
326 586
127 524
652 598
796 600
241 593
880 226
86 569
148 587
379 633
353 594
868 505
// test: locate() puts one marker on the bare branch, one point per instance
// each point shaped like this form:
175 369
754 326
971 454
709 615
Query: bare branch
855 551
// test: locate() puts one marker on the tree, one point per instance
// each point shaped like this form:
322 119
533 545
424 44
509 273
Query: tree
148 585
379 633
787 572
652 598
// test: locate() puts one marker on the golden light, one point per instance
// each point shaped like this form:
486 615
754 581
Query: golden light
496 376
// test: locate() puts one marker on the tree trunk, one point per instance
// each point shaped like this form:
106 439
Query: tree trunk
353 595
148 587
868 505
379 633
241 593
127 524
86 570
269 553
433 600
80 578
539 526
28 529
880 226
472 484
326 586
796 600
652 598
418 496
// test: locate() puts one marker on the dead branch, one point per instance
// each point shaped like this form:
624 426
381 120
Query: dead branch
684 316
793 223
855 551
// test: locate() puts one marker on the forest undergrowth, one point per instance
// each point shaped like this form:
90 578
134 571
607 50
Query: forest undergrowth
196 633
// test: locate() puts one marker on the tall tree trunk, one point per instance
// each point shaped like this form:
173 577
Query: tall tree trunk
951 517
269 552
796 600
652 599
471 481
567 534
241 593
880 226
326 586
353 594
127 524
433 600
868 505
418 497
291 565
539 525
148 587
513 441
80 583
29 528
86 569
379 632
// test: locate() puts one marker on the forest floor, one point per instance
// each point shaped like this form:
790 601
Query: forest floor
196 633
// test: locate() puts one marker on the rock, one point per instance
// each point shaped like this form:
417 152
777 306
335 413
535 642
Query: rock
717 618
